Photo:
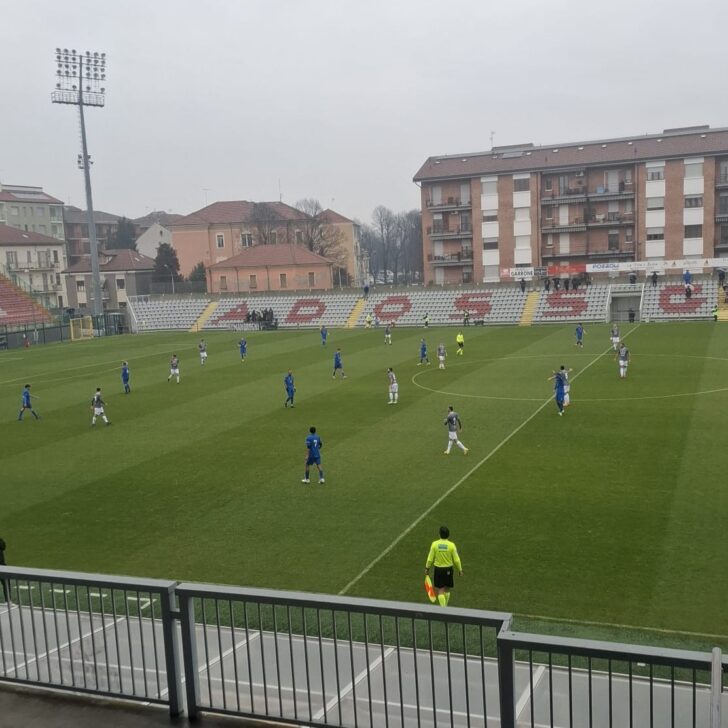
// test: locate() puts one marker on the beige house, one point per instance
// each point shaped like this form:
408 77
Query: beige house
31 209
34 262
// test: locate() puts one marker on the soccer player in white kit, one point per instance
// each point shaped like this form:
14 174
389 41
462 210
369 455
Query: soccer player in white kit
202 346
441 355
173 368
393 387
97 405
614 335
623 359
453 424
567 387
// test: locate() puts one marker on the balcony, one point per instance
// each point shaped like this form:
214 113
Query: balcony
609 219
441 232
623 191
577 224
454 259
38 265
721 214
569 195
452 203
721 180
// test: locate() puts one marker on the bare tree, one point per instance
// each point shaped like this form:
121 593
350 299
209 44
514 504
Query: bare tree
266 221
385 226
319 236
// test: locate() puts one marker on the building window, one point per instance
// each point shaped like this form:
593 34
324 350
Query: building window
522 185
465 224
11 258
490 187
523 213
490 244
724 234
655 173
220 241
54 213
613 239
548 184
694 169
273 238
284 280
120 284
693 231
655 203
723 205
80 286
299 237
246 240
694 201
14 210
223 283
656 233
40 211
550 240
628 176
490 216
55 256
628 235
311 280
253 282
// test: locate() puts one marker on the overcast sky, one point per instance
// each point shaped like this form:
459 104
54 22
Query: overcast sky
339 100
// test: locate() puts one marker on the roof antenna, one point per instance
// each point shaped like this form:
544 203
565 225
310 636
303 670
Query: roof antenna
280 194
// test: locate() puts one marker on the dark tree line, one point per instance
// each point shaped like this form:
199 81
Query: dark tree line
393 242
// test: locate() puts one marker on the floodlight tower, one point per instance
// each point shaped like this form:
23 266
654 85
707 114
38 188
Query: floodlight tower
80 81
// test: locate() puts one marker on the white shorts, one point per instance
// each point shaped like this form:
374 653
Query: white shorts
615 339
203 355
441 358
98 411
623 364
452 435
567 388
393 388
173 372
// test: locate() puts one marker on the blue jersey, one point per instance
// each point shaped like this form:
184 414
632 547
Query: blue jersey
423 350
26 398
559 383
243 346
324 334
125 374
314 445
579 332
337 360
288 382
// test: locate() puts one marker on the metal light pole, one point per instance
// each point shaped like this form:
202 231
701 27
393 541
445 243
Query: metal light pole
79 79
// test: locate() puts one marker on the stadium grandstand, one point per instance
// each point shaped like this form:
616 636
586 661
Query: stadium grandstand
18 308
507 304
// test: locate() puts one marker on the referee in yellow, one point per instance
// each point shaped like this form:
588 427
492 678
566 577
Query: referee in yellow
460 341
444 555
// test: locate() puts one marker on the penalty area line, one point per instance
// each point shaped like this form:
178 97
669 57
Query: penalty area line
459 482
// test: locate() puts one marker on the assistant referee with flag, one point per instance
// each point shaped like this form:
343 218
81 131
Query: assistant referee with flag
444 556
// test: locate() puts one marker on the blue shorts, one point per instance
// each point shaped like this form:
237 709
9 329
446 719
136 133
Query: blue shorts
338 366
313 460
291 392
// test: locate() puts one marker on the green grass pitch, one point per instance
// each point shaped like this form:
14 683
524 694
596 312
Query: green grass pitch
616 513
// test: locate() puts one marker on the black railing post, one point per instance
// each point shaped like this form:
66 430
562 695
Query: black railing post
171 652
189 654
506 682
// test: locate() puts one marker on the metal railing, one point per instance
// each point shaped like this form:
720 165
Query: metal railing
338 661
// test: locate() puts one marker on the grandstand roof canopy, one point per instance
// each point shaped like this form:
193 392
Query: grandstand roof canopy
259 256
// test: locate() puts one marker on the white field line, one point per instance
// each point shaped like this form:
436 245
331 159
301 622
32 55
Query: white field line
351 685
525 696
458 483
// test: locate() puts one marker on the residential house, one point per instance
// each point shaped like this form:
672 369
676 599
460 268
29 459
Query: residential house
77 234
280 267
124 273
34 262
31 209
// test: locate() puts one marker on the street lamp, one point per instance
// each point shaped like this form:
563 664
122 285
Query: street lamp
80 81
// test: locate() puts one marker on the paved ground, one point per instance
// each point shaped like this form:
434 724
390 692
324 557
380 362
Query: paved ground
307 679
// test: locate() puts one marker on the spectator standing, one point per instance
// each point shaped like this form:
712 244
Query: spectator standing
523 285
654 279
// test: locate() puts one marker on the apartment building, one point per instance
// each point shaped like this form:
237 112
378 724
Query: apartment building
648 198
77 233
31 209
34 262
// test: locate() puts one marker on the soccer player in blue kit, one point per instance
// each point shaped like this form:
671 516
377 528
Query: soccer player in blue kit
290 389
559 389
580 335
338 364
27 405
125 377
313 455
423 353
243 344
324 335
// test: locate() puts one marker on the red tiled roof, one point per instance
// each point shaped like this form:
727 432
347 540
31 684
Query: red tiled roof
329 216
273 255
115 260
235 211
7 195
160 216
13 236
690 142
